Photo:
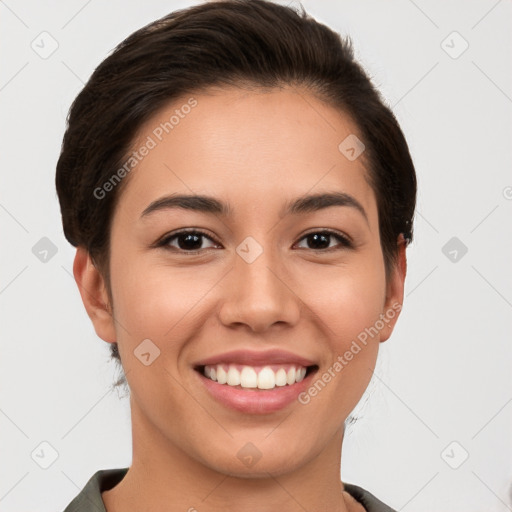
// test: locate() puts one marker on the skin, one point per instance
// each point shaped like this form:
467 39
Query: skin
248 148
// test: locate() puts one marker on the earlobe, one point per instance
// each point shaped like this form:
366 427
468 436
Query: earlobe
395 291
94 295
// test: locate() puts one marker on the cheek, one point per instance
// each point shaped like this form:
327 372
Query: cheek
349 308
156 302
348 299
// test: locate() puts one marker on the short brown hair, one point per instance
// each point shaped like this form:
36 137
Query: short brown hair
242 43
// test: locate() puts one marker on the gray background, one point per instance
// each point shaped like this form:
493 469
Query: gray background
442 388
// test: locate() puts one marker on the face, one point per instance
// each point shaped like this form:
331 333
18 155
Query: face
258 278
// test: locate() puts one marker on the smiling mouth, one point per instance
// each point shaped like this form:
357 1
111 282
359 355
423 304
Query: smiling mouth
262 377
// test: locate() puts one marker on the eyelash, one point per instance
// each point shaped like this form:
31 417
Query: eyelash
164 242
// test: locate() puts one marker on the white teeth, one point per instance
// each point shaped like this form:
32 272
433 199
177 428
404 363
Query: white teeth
281 377
222 376
266 378
250 378
233 376
290 376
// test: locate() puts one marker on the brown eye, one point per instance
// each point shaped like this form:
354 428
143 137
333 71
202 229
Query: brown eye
187 241
321 240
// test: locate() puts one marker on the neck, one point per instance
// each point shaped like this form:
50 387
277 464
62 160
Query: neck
163 477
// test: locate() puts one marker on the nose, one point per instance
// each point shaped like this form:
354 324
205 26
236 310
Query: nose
259 294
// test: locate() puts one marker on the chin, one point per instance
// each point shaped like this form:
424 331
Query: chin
255 469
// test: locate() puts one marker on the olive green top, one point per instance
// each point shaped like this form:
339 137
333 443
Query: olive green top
89 498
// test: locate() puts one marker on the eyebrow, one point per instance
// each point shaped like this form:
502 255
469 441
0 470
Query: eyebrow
212 205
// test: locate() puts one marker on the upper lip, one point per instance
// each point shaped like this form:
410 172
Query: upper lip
255 358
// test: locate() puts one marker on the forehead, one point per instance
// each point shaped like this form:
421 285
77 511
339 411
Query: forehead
246 147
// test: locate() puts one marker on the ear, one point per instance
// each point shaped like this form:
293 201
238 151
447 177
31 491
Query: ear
395 291
94 295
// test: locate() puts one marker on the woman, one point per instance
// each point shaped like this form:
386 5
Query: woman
241 201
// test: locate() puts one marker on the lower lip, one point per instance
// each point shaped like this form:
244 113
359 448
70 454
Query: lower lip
256 401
